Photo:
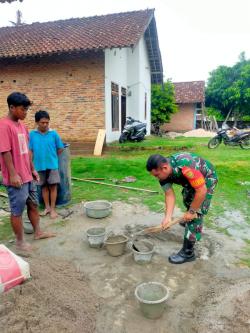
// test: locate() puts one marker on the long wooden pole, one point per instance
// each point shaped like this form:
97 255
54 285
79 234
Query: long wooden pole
113 185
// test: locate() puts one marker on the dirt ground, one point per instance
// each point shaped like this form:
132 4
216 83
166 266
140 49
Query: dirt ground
75 288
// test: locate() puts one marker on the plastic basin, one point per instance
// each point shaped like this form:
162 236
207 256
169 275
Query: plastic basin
27 227
143 251
96 237
97 209
116 245
152 298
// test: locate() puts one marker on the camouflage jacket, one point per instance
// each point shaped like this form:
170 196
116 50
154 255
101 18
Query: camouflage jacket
190 171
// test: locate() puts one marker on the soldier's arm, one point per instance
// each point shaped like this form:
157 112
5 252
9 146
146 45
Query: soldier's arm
197 181
169 204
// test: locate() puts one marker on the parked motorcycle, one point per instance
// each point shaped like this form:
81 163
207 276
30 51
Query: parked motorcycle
231 137
134 130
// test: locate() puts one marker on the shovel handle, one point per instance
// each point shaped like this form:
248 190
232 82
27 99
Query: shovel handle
159 228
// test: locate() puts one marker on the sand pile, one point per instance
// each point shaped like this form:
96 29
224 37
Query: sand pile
57 299
199 133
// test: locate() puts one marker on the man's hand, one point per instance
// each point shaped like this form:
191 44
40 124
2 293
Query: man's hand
35 176
165 222
187 217
16 181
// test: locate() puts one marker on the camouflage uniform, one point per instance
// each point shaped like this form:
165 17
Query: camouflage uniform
178 162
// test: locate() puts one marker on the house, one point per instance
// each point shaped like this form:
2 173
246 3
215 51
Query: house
89 73
190 99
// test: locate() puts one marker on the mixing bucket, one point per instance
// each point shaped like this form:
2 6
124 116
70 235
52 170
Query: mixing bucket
116 245
152 297
96 237
98 209
143 251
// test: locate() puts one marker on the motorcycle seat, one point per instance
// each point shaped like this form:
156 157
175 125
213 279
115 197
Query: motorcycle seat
139 126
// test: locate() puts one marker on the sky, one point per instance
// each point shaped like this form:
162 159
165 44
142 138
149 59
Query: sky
195 36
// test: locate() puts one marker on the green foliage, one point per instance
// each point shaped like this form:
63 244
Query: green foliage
246 118
228 88
214 112
162 102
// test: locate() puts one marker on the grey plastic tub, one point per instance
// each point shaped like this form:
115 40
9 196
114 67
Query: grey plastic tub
96 237
98 209
143 254
27 227
152 297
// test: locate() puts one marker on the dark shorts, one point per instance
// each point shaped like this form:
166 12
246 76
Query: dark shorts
49 177
20 197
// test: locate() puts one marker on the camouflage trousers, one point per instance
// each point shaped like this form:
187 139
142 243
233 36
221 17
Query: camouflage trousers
193 229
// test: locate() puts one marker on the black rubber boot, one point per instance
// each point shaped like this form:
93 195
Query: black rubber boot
186 254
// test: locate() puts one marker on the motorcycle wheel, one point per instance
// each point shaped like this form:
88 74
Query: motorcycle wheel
245 144
214 142
123 138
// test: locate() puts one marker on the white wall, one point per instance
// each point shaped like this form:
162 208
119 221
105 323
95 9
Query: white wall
115 71
129 68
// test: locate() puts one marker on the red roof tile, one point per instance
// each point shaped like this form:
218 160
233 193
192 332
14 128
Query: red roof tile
189 92
76 34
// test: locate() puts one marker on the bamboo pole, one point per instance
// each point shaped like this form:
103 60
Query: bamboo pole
113 185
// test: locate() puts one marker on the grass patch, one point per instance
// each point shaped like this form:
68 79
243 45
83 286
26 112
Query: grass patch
232 165
5 228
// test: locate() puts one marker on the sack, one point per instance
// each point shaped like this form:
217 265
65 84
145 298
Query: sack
13 269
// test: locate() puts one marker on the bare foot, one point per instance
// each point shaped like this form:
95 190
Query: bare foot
45 212
23 249
43 235
53 214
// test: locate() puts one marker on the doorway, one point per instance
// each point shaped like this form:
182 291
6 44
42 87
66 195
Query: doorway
123 107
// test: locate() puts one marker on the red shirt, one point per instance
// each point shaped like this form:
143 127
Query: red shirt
14 137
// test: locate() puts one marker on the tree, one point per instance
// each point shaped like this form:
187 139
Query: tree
162 103
228 89
18 19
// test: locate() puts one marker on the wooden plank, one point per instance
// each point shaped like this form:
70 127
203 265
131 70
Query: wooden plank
99 142
113 185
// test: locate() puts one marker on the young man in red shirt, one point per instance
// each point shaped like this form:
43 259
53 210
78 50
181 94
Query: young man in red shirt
18 171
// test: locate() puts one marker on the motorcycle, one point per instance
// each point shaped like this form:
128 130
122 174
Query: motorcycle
134 130
230 137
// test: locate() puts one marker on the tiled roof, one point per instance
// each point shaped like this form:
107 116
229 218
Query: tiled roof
189 92
73 35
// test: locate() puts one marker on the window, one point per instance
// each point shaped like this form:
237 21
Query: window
115 106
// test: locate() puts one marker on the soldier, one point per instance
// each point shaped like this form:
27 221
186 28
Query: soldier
198 179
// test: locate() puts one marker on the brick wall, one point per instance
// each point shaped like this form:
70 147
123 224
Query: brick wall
183 120
70 88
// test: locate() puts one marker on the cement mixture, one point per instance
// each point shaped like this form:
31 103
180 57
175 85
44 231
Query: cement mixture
76 288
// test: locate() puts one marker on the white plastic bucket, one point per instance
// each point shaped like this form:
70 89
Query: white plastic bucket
143 256
96 237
